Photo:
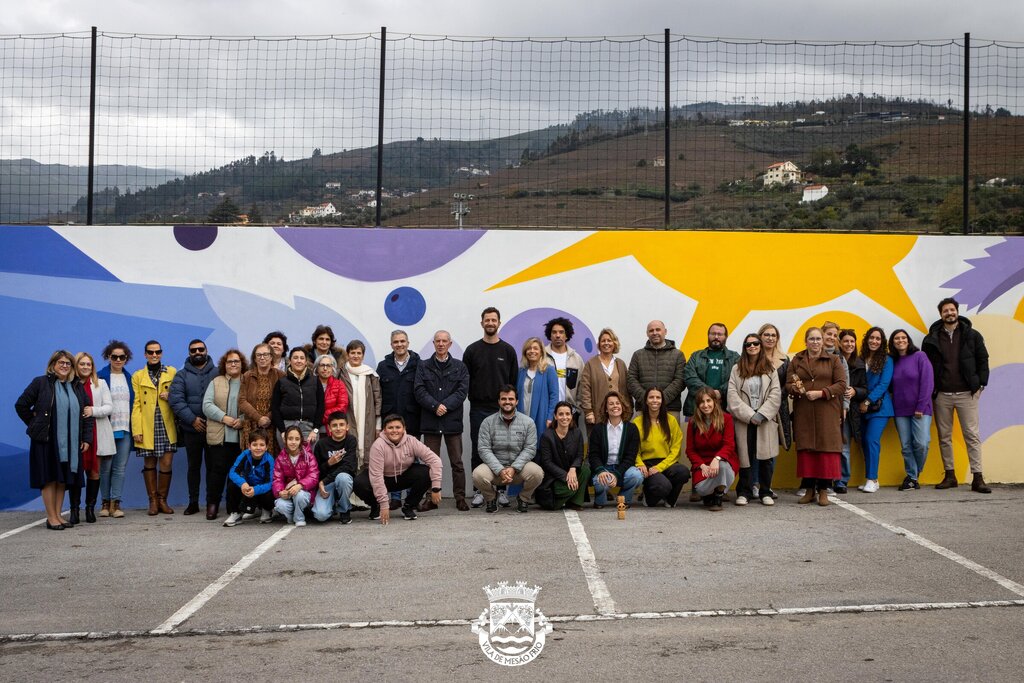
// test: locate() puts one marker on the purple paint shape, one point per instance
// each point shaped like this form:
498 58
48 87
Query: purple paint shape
991 276
195 237
531 323
1000 402
379 254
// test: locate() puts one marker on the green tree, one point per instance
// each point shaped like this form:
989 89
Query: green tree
254 214
225 212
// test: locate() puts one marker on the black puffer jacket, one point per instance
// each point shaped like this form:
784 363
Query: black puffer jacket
973 354
35 408
295 399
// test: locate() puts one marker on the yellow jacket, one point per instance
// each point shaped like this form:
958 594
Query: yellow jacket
147 400
655 446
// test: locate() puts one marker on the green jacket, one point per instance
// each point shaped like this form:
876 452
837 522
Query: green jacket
696 370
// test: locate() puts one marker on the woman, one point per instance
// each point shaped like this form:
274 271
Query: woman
295 476
658 458
363 388
324 344
102 443
755 396
856 391
613 447
297 399
52 408
223 425
711 448
112 468
561 457
255 391
913 381
278 344
601 375
537 385
876 408
153 429
335 396
816 382
770 339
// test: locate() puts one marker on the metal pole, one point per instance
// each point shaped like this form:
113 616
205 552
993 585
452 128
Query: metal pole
967 131
668 132
92 132
380 121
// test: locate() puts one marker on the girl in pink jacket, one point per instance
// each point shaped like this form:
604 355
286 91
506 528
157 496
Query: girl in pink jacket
295 477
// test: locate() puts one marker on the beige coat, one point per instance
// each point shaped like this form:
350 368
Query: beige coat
367 424
595 385
739 406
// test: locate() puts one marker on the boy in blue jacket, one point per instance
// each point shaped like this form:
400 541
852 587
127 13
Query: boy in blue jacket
249 482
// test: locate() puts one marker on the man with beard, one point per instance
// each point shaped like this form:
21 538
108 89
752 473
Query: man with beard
508 445
710 368
186 398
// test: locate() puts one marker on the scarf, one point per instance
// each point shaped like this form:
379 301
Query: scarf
66 413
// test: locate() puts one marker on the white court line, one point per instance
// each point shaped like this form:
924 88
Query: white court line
603 602
577 618
196 603
38 522
1006 583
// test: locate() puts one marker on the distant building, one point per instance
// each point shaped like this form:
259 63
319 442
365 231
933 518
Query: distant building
333 185
782 173
813 193
659 162
318 211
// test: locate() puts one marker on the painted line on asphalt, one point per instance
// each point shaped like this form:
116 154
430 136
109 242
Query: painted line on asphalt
571 618
196 603
38 522
603 602
1006 583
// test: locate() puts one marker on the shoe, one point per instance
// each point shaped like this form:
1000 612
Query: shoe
246 516
266 516
522 505
908 484
716 503
55 527
840 489
374 513
478 499
115 510
73 517
948 481
503 499
92 489
492 505
163 486
767 500
917 484
756 490
979 485
823 498
801 493
573 506
149 477
394 504
426 505
300 522
211 510
694 497
345 518
104 509
90 514
233 519
408 512
598 506
741 500
807 497
870 486
461 505
192 509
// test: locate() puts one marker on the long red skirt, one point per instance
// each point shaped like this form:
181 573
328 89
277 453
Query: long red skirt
818 464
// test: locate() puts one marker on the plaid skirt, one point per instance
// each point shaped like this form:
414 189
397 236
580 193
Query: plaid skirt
161 442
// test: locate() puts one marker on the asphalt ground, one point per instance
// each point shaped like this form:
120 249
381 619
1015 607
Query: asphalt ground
895 585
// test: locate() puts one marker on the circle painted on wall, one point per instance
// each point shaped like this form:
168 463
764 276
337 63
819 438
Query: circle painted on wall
405 306
195 237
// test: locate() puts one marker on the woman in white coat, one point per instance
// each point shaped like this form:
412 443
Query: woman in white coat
755 396
103 435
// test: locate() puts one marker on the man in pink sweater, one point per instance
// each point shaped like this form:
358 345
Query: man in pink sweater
391 466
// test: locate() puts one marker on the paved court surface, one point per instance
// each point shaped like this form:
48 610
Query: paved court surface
891 586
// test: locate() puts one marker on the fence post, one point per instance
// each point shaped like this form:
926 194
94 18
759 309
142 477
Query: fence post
380 121
967 132
92 132
668 131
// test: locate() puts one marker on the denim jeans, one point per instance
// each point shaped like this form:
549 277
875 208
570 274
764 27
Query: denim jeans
112 470
293 508
845 455
338 492
873 428
632 479
915 434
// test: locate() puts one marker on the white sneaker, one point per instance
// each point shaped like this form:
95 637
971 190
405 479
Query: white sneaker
503 499
741 500
233 519
300 522
266 516
767 500
249 515
478 499
861 487
871 486
801 493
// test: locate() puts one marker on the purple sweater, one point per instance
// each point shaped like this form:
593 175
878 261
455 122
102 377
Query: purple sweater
912 384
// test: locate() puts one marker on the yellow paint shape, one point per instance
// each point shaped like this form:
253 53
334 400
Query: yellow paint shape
1004 338
1019 313
731 274
1001 455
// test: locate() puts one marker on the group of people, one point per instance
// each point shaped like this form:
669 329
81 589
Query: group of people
314 430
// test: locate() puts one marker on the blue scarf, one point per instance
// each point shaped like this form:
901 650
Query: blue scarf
66 417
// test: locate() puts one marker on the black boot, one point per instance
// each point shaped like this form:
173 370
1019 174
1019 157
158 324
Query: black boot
949 481
92 488
979 485
75 499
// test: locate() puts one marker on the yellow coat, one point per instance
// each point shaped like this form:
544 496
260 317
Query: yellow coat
147 400
654 445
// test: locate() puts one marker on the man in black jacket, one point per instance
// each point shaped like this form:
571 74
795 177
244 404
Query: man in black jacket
960 361
186 398
397 373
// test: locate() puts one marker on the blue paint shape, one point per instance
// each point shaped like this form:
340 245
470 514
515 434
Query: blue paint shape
405 306
39 250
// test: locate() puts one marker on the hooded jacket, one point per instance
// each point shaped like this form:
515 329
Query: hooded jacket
387 459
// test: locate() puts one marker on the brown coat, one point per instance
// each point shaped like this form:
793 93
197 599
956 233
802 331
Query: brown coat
595 385
817 425
252 408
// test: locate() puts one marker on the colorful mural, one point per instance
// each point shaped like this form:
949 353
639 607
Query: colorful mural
76 287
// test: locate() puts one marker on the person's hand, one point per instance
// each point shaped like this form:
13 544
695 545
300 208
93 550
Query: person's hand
263 422
850 391
705 470
606 479
644 471
977 394
442 410
164 395
862 407
294 490
385 514
570 479
85 447
199 424
507 475
334 459
435 497
547 423
87 411
652 470
313 436
137 438
323 490
284 494
713 468
590 419
247 490
236 423
717 393
918 414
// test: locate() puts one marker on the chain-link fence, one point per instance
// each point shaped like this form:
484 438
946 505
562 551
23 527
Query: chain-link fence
646 131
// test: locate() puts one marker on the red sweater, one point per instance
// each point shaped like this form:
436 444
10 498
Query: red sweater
701 449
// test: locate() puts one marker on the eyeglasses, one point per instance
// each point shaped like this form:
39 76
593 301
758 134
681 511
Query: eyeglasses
197 350
748 344
233 361
150 352
264 355
118 356
63 363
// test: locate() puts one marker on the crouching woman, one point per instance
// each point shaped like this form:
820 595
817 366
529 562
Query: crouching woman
711 448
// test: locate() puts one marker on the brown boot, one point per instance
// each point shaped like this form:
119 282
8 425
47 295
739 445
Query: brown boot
115 510
149 476
949 481
807 497
163 485
104 509
979 485
823 498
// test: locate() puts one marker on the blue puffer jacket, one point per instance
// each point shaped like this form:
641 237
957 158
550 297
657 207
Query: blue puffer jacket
187 390
258 475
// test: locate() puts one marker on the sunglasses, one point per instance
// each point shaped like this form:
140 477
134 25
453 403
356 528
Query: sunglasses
197 350
118 356
150 352
748 344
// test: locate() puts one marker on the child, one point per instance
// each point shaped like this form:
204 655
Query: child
295 477
337 459
249 482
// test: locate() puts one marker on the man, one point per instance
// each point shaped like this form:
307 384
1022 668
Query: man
567 362
397 374
441 387
659 364
391 466
492 363
960 361
186 398
508 444
710 367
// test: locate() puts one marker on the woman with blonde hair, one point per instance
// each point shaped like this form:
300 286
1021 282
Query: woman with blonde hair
102 444
601 375
537 385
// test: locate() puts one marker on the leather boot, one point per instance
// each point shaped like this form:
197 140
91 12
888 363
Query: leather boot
149 476
979 485
92 489
211 510
75 499
807 497
104 509
163 485
115 510
949 481
823 498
